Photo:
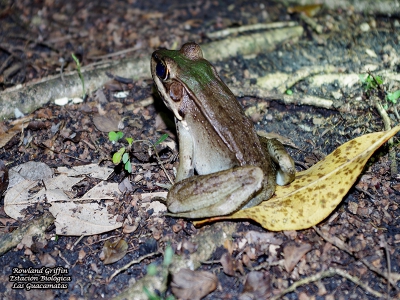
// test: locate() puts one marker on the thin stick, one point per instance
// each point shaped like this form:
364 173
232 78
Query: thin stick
329 273
136 261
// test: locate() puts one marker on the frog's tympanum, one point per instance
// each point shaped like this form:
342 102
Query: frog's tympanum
223 165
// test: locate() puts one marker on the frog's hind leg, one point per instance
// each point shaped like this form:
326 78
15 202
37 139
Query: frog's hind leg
215 194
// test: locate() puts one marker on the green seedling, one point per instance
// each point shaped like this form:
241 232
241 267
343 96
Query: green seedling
370 82
393 97
161 139
115 136
374 82
122 155
78 68
152 271
117 157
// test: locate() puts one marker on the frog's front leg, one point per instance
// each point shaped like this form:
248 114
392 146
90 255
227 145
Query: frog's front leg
285 169
215 194
186 150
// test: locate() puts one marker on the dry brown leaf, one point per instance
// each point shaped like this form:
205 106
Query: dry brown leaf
71 218
293 254
19 198
3 177
83 219
108 122
102 190
114 251
193 285
19 125
316 192
228 264
31 170
256 286
92 170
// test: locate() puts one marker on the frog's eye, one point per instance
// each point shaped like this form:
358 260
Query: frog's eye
162 70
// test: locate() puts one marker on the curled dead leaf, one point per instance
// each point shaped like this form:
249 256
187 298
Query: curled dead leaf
256 286
193 285
108 122
3 177
114 251
293 254
230 265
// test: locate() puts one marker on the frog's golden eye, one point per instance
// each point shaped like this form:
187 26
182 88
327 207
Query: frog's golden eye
162 70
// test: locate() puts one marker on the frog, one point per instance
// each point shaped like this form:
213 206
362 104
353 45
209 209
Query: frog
224 166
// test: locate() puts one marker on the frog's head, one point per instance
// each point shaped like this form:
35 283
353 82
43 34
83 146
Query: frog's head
180 73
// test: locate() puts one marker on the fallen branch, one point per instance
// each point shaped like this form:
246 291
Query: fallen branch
35 227
33 95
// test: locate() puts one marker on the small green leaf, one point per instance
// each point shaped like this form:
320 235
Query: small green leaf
168 255
150 295
393 97
161 139
112 136
128 166
289 92
129 140
76 60
151 269
125 157
118 156
378 79
115 136
363 77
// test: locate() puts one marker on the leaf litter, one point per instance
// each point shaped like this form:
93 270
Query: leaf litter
86 215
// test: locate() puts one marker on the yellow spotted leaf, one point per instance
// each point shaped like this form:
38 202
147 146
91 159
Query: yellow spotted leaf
316 192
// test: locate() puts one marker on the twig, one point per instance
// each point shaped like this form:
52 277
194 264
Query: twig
136 261
396 113
260 26
329 273
382 112
34 227
365 192
386 122
76 243
62 153
266 265
389 267
298 99
64 259
310 22
134 48
158 158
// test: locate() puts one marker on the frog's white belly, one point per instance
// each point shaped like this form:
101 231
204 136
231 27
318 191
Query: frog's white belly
210 154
